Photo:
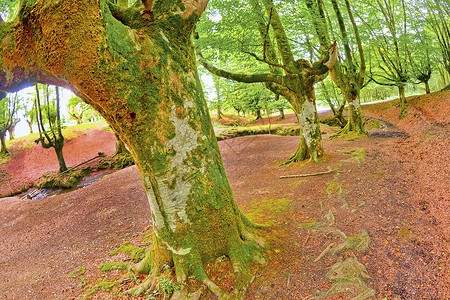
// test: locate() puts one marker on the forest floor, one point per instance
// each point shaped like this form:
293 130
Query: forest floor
378 222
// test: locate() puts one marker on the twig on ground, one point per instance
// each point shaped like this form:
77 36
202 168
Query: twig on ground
307 175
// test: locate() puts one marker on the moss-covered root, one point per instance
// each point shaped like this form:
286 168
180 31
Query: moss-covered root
350 129
241 253
304 152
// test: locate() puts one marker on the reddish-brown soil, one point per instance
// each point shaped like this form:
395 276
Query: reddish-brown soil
399 194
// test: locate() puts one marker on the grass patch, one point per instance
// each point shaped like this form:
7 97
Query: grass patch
358 154
78 272
267 211
136 253
113 266
372 124
104 285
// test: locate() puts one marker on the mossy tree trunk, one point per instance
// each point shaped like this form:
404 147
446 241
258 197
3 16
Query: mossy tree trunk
4 149
138 70
60 157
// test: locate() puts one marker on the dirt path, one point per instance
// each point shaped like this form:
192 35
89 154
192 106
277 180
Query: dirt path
397 192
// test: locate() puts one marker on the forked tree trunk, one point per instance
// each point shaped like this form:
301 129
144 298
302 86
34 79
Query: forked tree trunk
219 113
157 107
30 124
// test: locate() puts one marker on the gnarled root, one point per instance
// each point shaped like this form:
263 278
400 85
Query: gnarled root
242 252
302 153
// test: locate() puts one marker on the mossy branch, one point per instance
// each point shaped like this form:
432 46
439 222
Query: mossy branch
275 78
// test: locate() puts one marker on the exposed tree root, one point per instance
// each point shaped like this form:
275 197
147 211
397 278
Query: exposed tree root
169 272
302 153
350 129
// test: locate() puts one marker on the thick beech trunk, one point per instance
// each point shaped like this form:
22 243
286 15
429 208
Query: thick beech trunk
310 145
355 118
142 78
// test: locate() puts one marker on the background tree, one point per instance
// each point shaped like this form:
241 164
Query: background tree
30 116
349 74
421 62
77 109
50 136
439 13
12 128
136 66
8 109
293 79
390 50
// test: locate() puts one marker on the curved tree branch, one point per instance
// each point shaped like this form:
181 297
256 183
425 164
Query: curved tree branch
275 78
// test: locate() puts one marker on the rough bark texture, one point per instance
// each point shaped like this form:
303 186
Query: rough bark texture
137 68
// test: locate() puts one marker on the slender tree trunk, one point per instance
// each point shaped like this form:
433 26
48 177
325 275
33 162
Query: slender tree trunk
427 87
11 133
282 117
4 149
219 113
60 156
401 95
